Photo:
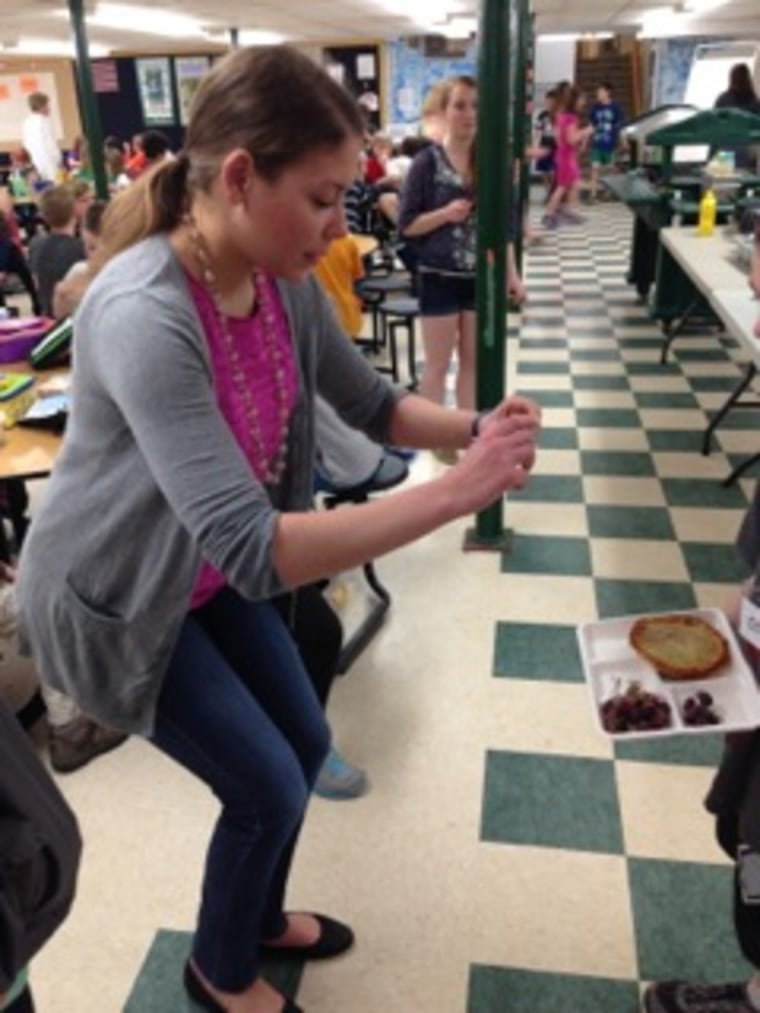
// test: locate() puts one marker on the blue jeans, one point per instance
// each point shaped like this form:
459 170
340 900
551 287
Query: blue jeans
239 709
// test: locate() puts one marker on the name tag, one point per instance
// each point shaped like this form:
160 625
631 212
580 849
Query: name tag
749 623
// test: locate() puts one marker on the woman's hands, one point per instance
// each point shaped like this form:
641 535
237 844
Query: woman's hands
498 459
458 210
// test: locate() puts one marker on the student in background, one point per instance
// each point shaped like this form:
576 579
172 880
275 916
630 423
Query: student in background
606 117
570 138
38 138
68 293
51 255
155 148
338 272
741 94
545 140
12 259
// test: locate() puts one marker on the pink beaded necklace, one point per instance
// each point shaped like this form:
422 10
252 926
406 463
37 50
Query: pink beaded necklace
270 471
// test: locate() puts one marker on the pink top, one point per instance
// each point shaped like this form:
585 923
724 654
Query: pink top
566 157
255 359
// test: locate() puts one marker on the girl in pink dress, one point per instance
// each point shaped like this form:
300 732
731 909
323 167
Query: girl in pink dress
571 137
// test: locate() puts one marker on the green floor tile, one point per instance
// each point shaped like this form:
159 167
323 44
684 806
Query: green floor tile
159 989
558 439
714 564
543 320
665 399
617 462
705 354
608 418
639 343
547 368
549 489
550 398
655 367
661 440
581 330
543 343
630 522
708 492
713 383
683 922
535 651
595 354
504 990
742 418
630 597
734 460
601 383
681 750
591 309
551 802
568 557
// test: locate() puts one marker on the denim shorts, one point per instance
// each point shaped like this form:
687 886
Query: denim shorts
442 295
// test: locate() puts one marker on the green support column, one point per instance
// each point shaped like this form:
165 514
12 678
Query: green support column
494 166
90 116
524 91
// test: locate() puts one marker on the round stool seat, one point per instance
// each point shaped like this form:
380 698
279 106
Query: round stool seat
400 281
400 307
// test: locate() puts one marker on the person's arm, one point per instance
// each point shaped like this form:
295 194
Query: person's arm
310 546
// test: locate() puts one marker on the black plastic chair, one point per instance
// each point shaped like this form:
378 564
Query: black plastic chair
391 471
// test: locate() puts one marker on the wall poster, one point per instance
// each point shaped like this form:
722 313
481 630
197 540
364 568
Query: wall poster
155 87
188 74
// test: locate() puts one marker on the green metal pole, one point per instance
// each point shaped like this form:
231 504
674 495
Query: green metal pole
494 167
523 119
87 98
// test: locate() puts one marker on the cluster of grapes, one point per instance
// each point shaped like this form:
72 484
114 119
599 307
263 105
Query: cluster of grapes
635 710
699 710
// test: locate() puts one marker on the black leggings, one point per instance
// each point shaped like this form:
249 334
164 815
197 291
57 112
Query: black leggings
746 916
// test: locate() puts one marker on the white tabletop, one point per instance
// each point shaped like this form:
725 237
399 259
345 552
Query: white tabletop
707 260
739 311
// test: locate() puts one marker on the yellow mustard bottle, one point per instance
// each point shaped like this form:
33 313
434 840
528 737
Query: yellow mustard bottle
708 212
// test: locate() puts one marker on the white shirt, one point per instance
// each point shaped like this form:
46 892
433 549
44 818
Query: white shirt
37 137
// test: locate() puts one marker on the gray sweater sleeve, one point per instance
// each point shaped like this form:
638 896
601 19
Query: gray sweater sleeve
191 453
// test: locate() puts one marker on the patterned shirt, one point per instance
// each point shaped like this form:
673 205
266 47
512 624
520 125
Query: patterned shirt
432 183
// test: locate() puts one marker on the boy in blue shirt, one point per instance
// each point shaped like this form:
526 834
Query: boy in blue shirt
606 117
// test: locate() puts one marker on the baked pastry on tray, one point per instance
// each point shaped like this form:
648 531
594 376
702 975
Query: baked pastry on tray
679 646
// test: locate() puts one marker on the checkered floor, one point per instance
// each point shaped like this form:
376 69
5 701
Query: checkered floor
625 884
507 859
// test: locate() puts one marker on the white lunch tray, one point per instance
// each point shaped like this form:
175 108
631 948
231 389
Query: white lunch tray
610 664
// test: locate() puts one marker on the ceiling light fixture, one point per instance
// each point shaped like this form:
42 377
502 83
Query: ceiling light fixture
145 20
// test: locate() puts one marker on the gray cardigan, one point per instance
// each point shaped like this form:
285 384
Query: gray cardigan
150 480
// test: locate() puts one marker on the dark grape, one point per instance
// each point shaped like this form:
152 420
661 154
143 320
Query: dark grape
699 711
635 710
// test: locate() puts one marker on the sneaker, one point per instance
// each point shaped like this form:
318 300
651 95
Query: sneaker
550 222
74 744
572 217
339 780
694 997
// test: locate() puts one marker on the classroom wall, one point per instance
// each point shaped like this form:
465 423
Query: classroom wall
411 74
62 73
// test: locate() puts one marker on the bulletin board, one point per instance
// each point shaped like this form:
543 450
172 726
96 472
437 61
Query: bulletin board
15 90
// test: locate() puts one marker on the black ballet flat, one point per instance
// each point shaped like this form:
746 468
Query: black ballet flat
199 994
334 938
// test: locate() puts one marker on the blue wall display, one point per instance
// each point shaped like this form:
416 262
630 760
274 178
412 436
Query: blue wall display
411 75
